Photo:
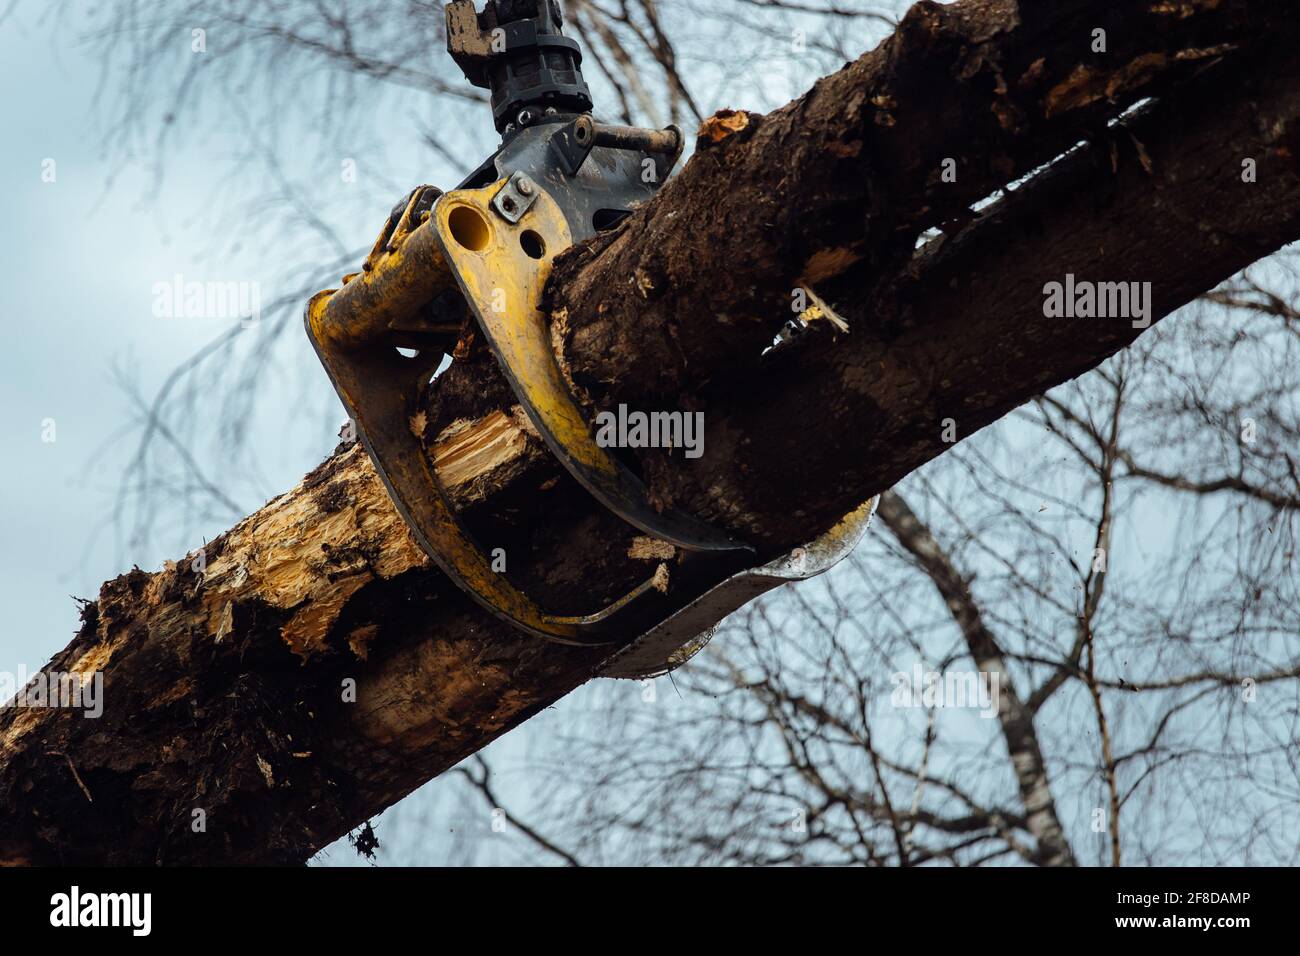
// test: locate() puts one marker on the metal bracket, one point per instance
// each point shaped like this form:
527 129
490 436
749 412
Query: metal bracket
571 144
515 198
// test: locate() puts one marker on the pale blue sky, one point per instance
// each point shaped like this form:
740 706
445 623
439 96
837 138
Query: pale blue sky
82 259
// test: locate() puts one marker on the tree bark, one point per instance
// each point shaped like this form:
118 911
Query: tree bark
224 692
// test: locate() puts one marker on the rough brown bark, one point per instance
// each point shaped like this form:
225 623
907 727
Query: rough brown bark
840 182
223 695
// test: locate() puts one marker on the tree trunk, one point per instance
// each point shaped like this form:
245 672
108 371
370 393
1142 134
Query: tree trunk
227 733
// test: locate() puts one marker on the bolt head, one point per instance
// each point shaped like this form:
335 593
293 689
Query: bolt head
525 117
525 186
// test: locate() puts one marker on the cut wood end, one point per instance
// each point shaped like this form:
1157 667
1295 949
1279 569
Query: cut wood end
315 548
467 449
722 125
660 580
645 548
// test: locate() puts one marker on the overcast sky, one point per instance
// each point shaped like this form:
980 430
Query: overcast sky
80 261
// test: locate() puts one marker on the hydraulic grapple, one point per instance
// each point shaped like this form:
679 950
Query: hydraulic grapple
558 177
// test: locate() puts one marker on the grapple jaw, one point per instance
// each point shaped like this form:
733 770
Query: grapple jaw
484 250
